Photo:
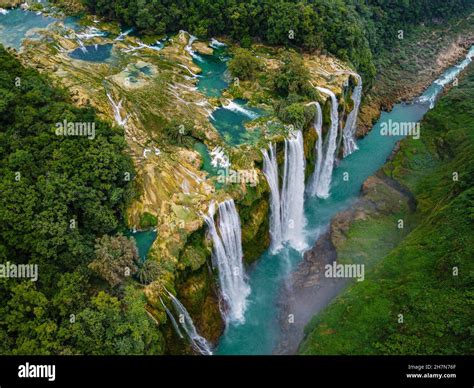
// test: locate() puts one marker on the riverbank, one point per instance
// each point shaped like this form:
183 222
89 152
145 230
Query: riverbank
412 64
348 240
415 293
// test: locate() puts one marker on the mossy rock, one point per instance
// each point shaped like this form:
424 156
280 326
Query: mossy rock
195 252
148 220
255 230
199 297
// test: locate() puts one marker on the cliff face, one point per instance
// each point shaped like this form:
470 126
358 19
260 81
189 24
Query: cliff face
413 63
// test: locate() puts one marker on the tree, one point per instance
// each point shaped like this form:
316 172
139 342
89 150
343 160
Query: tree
148 271
115 258
292 77
244 65
111 327
28 323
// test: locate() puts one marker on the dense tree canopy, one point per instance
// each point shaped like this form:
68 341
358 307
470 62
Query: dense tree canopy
59 194
244 64
353 30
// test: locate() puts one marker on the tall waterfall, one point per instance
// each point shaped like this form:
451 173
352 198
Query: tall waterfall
227 239
270 169
292 192
197 342
350 128
324 184
317 125
287 220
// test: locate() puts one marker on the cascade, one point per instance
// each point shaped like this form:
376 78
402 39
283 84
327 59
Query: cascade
227 255
317 125
235 107
122 35
198 342
324 184
350 128
292 192
287 220
270 170
117 115
189 48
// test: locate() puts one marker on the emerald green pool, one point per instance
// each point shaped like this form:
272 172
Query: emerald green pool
230 122
144 241
230 119
214 77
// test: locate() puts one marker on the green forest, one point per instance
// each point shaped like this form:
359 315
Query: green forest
61 199
353 30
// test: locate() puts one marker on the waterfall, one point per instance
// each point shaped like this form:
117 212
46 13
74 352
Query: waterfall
219 158
324 184
292 192
351 123
189 48
317 125
197 342
117 115
270 170
235 107
123 35
173 321
227 254
287 220
81 46
216 44
194 75
91 32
